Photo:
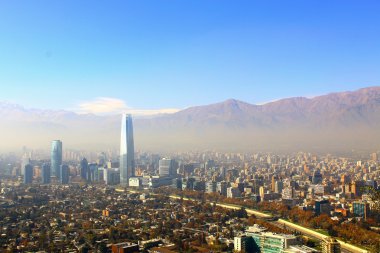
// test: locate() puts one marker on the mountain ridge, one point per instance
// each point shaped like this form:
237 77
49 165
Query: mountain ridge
340 120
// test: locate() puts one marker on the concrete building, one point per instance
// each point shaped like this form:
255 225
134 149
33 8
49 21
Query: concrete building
233 192
167 168
330 245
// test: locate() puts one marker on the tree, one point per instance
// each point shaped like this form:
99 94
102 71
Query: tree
375 197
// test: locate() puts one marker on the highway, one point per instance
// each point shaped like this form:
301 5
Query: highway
346 247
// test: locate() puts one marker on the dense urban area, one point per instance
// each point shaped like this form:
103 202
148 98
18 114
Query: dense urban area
189 202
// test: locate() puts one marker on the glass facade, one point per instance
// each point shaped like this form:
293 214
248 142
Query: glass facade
271 243
65 174
28 174
45 174
56 157
166 167
127 150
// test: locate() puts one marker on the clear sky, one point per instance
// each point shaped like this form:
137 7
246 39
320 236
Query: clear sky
178 53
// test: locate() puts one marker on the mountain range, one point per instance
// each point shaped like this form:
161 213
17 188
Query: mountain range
332 122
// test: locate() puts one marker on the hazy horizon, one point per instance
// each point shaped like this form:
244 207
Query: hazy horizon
336 122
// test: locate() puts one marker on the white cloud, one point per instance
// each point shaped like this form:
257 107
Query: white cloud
104 106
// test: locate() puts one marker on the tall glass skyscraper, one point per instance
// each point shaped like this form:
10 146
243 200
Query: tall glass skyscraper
56 158
84 169
127 150
65 174
45 175
28 174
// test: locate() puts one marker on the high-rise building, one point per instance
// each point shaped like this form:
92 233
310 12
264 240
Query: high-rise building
24 161
322 206
262 192
127 150
360 209
221 188
45 175
357 188
92 174
56 157
279 185
330 245
317 177
111 176
28 174
167 167
83 168
374 157
273 183
210 186
65 174
244 244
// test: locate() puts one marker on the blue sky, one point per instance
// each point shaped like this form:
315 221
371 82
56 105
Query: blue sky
175 53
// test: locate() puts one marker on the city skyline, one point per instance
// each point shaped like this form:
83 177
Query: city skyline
190 126
150 56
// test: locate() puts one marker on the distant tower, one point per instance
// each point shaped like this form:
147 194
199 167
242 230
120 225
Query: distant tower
65 173
273 184
28 174
56 157
317 177
25 161
279 186
127 150
166 167
83 168
45 175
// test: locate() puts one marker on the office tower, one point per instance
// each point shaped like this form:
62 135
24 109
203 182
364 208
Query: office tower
65 173
244 244
330 245
24 161
262 192
223 172
45 175
279 186
273 183
111 176
360 209
127 150
221 188
92 174
56 157
188 169
83 168
167 167
317 177
322 206
28 174
357 188
210 186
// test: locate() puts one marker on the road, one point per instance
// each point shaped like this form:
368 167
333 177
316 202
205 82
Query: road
346 247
